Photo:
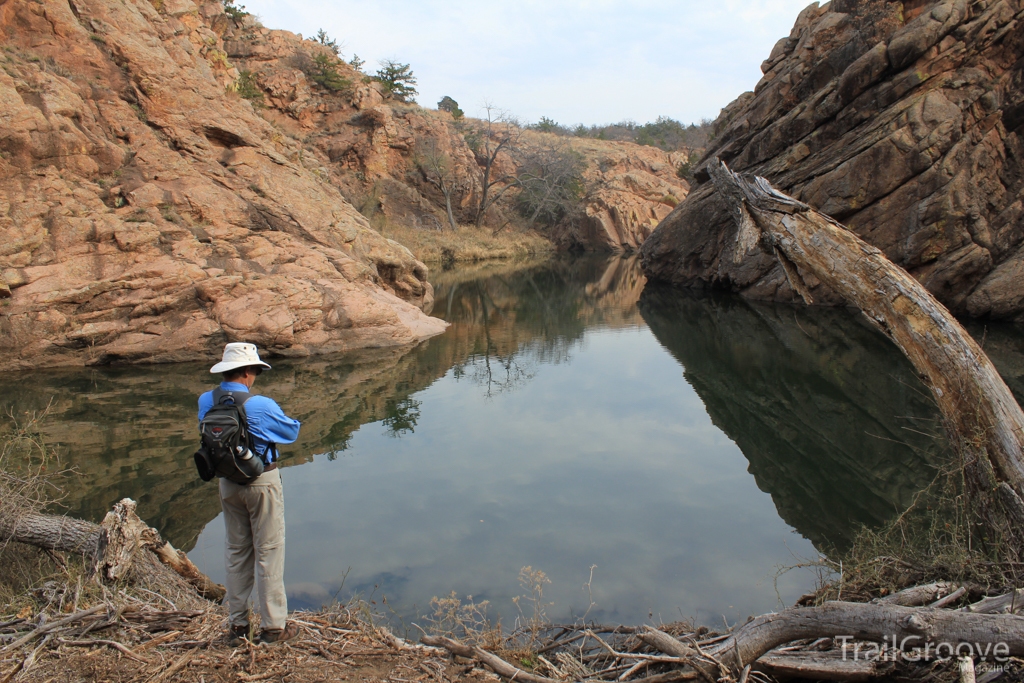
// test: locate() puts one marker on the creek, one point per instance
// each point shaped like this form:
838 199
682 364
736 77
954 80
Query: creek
687 447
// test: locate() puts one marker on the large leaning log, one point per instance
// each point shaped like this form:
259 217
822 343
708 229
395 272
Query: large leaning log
984 420
111 546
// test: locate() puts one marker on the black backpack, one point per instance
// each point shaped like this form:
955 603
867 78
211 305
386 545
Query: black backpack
226 447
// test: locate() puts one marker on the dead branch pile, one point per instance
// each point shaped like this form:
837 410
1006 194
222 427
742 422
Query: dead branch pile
131 640
926 632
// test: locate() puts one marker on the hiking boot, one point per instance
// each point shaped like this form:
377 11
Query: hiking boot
237 634
290 630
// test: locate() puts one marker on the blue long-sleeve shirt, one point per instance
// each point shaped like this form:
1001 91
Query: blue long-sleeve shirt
267 422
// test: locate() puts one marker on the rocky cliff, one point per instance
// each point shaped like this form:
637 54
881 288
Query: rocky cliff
903 121
630 189
148 213
173 177
373 148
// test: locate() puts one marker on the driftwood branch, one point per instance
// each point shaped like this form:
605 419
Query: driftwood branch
831 666
981 414
112 546
494 662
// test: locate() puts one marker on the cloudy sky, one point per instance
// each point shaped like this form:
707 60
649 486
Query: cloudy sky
575 61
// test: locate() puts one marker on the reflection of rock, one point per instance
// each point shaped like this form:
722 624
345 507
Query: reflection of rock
131 431
1004 344
822 406
550 304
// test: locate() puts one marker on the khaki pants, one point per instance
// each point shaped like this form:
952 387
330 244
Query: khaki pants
254 518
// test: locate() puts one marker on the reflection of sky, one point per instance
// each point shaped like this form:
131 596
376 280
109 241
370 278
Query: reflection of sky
609 459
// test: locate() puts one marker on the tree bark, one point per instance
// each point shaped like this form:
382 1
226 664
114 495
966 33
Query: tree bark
910 627
66 534
985 423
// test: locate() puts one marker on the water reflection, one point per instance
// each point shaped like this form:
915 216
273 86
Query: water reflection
549 427
831 417
131 431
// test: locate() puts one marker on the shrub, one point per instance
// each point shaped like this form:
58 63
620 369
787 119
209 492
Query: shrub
356 63
324 72
551 185
247 88
451 106
234 11
398 80
546 125
685 169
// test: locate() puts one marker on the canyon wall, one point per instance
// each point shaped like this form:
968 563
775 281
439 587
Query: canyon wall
901 120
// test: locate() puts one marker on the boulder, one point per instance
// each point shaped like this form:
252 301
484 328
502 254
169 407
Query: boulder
901 124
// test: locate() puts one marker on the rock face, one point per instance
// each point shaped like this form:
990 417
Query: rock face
148 213
630 189
903 121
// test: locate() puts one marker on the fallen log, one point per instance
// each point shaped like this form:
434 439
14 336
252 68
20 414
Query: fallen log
916 596
53 532
111 547
903 627
830 666
984 420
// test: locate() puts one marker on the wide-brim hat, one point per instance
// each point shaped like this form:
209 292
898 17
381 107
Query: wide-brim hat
238 355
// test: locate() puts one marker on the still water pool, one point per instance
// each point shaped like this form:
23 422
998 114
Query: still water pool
673 451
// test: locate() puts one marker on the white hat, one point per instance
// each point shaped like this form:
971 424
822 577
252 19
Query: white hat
238 355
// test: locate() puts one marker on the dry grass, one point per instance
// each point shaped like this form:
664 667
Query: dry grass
940 537
467 243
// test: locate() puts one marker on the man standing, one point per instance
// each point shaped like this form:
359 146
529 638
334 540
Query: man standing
254 514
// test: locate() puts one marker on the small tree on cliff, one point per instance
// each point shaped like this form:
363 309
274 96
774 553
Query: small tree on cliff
451 106
323 70
398 80
438 170
498 134
328 42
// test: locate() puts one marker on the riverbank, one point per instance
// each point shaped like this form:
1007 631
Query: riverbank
62 620
468 244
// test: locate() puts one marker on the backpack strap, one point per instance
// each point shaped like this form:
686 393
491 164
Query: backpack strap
237 397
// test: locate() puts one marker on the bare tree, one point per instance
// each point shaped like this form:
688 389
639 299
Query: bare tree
438 170
550 180
499 133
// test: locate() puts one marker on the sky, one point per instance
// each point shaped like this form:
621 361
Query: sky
574 61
